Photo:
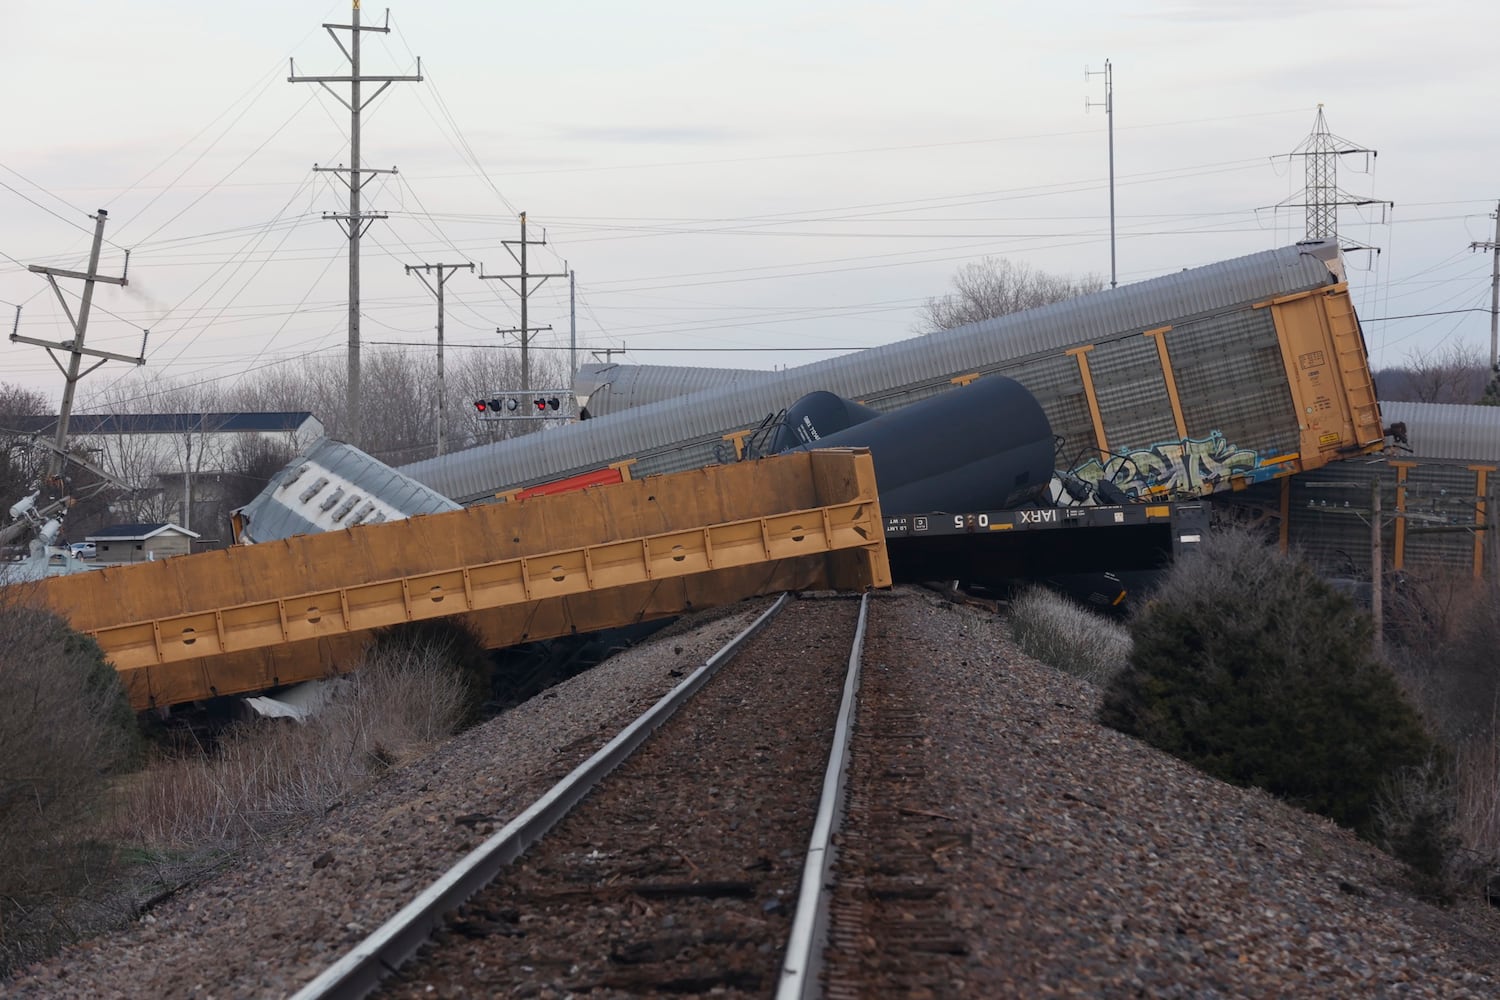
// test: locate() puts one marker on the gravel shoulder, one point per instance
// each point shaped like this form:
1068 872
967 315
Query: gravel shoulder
1097 867
1100 866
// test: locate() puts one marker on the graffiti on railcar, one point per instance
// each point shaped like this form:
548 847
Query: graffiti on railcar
1170 468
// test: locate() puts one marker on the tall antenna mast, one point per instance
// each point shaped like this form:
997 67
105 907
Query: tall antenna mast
1109 114
356 221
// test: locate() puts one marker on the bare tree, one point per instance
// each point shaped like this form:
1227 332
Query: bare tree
483 374
312 385
995 286
400 405
1455 374
251 464
400 415
175 469
19 462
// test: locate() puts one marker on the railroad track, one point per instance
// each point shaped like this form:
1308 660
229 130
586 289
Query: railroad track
681 870
702 860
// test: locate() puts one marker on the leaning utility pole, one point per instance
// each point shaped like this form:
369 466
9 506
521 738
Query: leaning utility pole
1492 391
356 221
524 291
444 271
80 326
1109 114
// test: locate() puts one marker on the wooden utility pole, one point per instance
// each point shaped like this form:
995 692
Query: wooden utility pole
356 221
444 271
1493 389
524 291
1377 544
73 372
1377 568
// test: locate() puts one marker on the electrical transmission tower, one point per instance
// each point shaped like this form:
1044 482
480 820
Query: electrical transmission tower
356 221
524 291
1321 196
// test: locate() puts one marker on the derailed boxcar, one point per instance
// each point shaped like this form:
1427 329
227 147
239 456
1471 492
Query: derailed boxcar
1181 386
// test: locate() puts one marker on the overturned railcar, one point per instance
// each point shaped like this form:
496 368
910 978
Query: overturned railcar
987 447
1210 379
1438 494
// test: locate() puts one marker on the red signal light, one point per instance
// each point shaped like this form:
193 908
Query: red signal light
480 405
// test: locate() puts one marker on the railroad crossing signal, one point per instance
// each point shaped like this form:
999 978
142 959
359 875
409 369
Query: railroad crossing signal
548 403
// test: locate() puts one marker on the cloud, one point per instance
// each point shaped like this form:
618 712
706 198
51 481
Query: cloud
1228 11
673 135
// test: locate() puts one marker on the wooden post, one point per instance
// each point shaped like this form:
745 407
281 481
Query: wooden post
1377 560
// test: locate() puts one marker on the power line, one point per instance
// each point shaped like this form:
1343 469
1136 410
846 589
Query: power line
206 150
1442 312
879 149
44 208
233 170
841 348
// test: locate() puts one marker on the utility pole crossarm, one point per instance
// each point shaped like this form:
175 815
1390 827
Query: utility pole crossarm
524 292
74 370
78 275
1494 247
444 272
68 345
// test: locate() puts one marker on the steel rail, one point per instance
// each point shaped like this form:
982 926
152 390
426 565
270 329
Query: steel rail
360 970
809 934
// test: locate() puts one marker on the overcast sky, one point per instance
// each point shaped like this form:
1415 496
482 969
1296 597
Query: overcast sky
729 182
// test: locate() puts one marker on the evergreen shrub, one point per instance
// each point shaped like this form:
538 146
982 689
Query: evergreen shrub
1248 666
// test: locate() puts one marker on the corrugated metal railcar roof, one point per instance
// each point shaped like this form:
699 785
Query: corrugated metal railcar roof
882 371
611 387
289 505
1447 432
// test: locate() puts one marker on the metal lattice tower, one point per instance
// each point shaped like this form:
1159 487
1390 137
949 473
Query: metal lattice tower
1322 196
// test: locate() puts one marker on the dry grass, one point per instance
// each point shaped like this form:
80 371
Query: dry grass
1050 628
1477 768
1446 631
270 773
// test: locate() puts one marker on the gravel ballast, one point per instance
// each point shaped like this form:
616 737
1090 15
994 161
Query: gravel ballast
1097 866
